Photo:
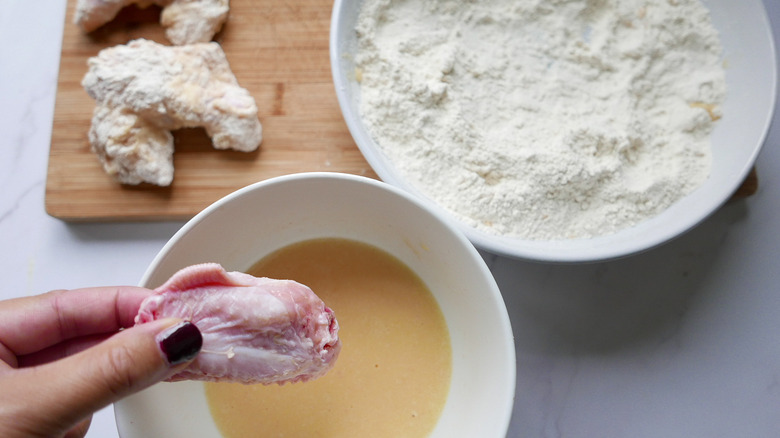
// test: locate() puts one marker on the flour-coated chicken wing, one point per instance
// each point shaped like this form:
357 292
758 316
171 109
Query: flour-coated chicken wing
170 87
131 149
185 21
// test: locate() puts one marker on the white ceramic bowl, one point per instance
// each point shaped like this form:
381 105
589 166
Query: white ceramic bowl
243 227
751 80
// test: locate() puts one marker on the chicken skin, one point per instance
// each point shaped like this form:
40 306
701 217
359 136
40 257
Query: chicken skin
165 88
185 21
255 330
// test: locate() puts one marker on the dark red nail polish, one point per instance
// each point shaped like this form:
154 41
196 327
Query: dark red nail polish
180 343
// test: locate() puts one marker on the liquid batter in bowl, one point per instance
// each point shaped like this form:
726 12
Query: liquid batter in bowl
393 374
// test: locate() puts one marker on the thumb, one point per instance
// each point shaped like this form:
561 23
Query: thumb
74 387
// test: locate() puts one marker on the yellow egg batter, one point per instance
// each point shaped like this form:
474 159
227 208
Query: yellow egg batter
393 374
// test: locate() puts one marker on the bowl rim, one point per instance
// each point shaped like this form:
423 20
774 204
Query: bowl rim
596 249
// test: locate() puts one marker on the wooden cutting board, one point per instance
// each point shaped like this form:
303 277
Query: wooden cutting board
278 50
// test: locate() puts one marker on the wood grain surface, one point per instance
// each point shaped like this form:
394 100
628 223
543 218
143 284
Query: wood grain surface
278 50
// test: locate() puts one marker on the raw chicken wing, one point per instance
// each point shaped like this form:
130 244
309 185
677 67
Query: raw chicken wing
255 330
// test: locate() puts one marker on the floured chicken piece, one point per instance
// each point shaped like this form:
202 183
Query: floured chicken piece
193 21
166 88
185 21
131 149
255 330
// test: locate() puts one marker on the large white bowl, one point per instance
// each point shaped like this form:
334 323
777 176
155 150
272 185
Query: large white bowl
243 227
751 80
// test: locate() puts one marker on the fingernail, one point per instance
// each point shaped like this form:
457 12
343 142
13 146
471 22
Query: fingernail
180 343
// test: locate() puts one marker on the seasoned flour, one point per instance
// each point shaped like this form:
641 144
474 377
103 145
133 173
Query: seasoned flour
543 119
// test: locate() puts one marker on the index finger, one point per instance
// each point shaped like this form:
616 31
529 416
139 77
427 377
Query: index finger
33 323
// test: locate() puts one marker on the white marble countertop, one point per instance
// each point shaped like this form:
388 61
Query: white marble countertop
681 341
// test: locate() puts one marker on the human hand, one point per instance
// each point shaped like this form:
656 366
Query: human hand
67 354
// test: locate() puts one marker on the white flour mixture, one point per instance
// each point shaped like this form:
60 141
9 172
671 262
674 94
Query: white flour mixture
543 119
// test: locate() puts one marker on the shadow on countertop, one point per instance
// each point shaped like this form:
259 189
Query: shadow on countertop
603 308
